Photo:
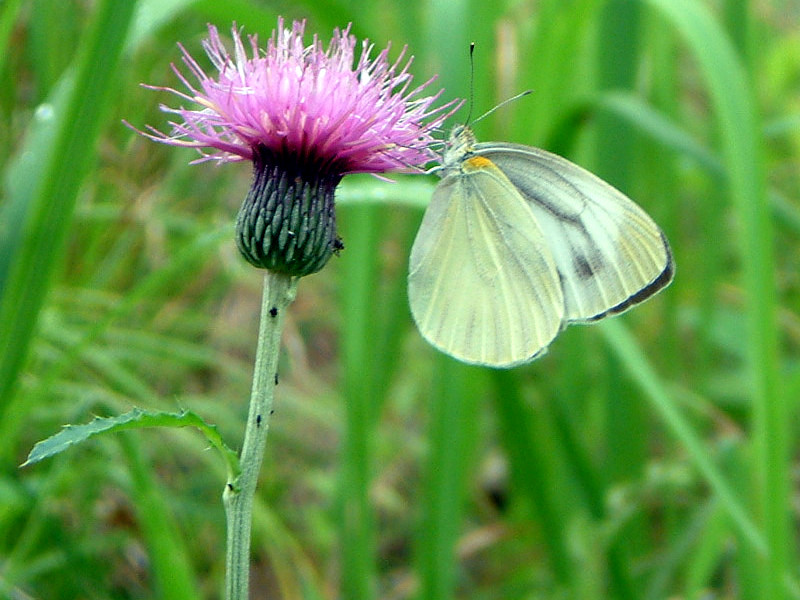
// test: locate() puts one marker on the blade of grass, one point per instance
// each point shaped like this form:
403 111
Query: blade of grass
8 16
705 557
530 457
640 370
684 541
737 23
394 312
172 570
739 133
453 432
452 399
614 156
152 15
660 175
448 56
660 129
53 200
389 300
552 62
408 191
250 15
22 177
166 550
79 349
358 272
295 571
54 19
614 149
587 476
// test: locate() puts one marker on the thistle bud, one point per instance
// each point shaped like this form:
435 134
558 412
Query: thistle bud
287 222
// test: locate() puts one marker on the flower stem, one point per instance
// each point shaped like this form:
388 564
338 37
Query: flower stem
279 291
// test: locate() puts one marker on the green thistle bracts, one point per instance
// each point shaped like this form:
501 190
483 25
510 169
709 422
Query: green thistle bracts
287 223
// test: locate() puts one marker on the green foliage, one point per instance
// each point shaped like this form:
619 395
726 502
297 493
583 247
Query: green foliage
71 435
646 458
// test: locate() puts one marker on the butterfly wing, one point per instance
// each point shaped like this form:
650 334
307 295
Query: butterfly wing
608 252
482 284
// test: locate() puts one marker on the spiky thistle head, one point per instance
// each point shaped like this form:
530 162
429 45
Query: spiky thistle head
305 115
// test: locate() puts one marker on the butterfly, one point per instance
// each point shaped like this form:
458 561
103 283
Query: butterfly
516 244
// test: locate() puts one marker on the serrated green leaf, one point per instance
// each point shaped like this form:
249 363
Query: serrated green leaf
71 435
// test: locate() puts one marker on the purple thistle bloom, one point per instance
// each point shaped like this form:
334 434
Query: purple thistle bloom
305 117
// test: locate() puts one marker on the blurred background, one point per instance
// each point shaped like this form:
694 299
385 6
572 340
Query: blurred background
653 456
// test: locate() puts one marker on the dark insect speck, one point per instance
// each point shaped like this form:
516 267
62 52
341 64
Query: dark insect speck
273 312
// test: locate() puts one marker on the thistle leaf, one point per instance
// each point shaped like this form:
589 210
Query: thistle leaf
71 435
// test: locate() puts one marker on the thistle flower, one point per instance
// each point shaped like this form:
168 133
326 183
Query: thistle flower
305 116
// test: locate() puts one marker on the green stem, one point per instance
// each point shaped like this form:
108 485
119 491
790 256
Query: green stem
279 291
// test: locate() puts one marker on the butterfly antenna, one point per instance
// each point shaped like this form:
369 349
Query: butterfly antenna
471 81
502 104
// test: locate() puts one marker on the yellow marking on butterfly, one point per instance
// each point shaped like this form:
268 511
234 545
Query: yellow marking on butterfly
477 162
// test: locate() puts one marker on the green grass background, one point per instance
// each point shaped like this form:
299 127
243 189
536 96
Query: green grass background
652 456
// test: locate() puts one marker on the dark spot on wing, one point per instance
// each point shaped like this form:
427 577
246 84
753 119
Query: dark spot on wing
583 267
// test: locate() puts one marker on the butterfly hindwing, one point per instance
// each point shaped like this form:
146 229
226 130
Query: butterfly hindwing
609 253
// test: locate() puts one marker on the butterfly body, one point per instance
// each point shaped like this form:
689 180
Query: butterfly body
516 244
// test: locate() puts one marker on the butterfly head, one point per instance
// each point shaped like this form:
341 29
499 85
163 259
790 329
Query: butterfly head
459 144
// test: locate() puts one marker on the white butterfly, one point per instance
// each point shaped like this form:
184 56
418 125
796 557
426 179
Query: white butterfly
516 244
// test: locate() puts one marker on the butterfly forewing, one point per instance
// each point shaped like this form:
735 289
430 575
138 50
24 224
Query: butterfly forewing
609 253
483 286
